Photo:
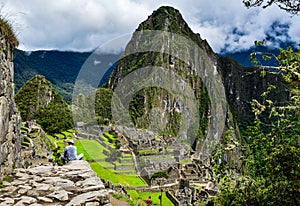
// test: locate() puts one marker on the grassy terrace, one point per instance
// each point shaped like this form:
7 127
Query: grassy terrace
106 140
154 196
132 180
93 150
110 136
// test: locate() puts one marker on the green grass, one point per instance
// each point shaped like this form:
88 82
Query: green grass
51 138
154 196
124 163
104 138
145 152
60 136
126 158
61 144
129 172
185 161
112 145
68 134
126 155
91 149
132 180
94 150
110 136
106 164
24 129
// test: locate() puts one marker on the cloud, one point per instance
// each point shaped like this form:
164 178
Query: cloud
85 25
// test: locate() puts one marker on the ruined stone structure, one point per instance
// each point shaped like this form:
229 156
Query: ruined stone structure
10 145
72 184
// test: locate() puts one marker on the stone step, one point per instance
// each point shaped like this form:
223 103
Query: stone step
72 184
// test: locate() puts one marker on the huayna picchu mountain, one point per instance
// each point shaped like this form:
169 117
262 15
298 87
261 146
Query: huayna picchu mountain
165 40
38 100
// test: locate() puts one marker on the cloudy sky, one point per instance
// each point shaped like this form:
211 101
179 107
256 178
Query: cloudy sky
83 25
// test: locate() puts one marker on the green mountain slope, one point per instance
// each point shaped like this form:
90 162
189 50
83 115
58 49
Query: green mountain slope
59 67
38 100
152 105
155 107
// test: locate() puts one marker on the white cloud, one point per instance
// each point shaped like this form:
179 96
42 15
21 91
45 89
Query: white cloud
84 25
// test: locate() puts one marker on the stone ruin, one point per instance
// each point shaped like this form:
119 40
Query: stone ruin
74 184
10 143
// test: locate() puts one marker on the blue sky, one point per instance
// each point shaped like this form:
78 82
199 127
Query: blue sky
84 25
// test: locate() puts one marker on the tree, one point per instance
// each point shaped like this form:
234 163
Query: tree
290 6
271 153
270 172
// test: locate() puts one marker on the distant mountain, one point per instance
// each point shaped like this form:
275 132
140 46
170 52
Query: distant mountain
243 57
59 67
62 67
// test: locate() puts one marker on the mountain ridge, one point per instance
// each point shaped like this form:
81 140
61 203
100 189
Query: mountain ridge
164 18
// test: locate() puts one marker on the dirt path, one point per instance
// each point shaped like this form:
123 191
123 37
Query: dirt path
116 202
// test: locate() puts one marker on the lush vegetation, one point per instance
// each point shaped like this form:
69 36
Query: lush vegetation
103 98
93 150
269 166
149 101
6 30
59 67
160 174
270 155
135 195
37 100
132 180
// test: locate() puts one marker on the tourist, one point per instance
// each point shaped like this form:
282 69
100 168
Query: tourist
70 153
149 201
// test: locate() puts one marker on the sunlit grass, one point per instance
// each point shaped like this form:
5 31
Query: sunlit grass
154 196
110 136
132 180
91 149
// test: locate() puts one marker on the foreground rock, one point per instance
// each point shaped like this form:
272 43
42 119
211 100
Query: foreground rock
10 142
71 185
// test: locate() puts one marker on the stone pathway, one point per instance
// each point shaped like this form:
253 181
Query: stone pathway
116 202
69 185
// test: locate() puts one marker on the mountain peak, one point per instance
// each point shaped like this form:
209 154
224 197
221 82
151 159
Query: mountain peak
166 18
169 19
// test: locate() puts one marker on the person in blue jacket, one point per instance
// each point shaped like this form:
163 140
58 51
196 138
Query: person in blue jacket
70 153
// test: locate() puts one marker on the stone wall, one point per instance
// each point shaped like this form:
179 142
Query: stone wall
10 143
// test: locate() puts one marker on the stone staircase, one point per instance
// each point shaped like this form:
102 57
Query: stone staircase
69 185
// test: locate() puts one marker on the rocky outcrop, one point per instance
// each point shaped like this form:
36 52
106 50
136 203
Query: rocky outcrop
71 185
10 144
165 56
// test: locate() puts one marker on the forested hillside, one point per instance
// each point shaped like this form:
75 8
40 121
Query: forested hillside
38 100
